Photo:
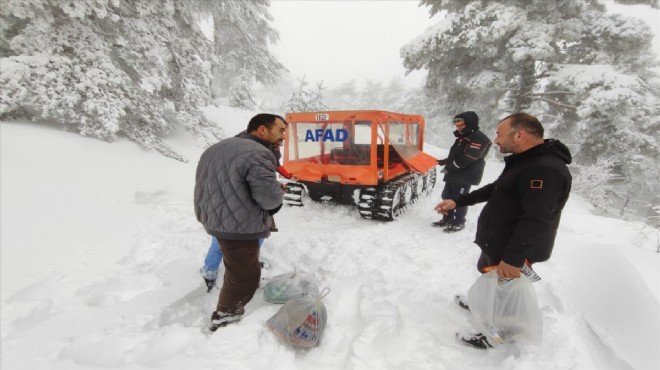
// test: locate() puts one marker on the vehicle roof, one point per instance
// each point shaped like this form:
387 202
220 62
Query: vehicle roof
352 114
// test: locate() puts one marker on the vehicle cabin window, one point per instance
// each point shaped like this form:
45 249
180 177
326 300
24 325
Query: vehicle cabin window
362 132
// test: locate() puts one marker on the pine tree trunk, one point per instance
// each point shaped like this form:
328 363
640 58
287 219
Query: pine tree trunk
526 81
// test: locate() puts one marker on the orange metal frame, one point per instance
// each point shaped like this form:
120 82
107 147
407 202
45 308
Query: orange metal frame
355 174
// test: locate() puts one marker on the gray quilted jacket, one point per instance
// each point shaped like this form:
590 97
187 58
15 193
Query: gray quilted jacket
235 186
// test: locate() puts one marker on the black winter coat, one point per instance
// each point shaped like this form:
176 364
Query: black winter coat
466 160
524 206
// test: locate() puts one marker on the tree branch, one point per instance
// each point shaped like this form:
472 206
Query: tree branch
552 102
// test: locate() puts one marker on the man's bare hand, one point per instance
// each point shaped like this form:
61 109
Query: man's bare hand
445 206
506 271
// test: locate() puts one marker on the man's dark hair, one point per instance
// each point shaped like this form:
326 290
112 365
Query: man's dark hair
263 119
527 123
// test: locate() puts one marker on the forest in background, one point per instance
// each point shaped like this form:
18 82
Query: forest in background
108 68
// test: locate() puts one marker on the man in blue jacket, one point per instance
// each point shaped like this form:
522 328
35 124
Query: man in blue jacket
236 190
519 222
464 167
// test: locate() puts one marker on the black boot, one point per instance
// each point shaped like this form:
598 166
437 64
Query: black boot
220 320
442 223
452 228
478 341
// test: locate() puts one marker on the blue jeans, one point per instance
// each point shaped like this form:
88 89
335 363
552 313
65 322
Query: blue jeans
213 260
457 215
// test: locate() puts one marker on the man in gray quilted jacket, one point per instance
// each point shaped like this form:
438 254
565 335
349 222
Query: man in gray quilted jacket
236 190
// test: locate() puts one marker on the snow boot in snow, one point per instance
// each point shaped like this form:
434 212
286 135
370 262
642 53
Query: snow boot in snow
442 223
478 341
462 301
452 228
220 320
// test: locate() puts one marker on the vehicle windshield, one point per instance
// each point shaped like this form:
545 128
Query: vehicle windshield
405 138
331 142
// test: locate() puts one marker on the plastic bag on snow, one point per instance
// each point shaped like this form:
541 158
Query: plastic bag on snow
505 310
283 287
301 321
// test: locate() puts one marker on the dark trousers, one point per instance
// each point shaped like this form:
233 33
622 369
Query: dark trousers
242 274
457 215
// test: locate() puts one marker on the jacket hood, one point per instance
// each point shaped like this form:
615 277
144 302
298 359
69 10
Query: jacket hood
471 119
558 149
550 147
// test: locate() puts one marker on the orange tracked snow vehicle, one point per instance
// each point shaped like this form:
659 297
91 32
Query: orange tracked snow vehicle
373 159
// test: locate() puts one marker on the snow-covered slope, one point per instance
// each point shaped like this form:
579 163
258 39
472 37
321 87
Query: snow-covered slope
100 251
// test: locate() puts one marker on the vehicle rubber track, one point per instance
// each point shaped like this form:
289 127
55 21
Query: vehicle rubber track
388 201
366 202
293 194
429 180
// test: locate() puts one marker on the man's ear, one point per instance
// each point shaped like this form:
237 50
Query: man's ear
522 135
262 131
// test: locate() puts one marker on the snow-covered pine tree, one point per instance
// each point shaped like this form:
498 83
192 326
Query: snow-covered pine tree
586 73
394 95
595 179
240 95
106 67
306 99
343 97
371 95
374 95
618 119
242 31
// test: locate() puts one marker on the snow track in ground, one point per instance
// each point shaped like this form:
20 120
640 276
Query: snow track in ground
115 284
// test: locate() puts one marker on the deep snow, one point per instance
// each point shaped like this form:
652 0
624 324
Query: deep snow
100 252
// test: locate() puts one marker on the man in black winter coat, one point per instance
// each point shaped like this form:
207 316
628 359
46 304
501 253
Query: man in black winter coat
519 222
464 167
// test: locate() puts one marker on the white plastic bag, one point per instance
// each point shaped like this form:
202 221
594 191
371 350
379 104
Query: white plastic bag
283 287
301 321
505 310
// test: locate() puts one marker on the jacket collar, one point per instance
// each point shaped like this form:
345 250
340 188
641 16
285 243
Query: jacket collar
246 135
463 133
548 147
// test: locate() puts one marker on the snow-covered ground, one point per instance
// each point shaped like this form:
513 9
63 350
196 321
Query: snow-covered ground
100 252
